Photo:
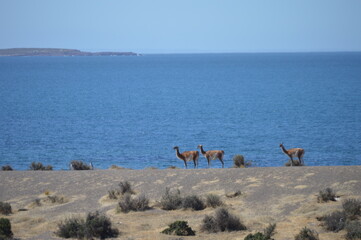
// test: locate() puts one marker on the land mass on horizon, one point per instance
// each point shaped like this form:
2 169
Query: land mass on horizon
58 52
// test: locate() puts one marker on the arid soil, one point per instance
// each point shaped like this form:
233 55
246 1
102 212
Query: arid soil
286 196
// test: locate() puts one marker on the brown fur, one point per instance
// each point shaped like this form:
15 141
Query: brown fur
187 156
212 155
293 152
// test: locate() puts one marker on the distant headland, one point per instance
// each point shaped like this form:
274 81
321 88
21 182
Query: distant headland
58 52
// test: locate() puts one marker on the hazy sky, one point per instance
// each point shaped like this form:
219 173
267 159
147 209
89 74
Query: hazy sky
182 26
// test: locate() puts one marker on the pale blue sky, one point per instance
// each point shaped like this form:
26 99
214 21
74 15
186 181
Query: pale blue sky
183 26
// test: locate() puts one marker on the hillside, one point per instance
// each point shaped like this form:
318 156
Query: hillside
57 52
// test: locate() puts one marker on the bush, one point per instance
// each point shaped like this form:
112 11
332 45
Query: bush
79 165
239 162
234 194
213 201
335 221
128 203
95 225
71 228
209 224
5 229
113 194
266 235
125 187
179 228
326 195
6 168
256 236
5 208
307 234
269 231
352 208
222 221
353 230
38 166
56 199
171 201
296 163
193 202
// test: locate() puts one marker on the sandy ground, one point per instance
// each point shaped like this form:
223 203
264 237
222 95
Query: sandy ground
286 196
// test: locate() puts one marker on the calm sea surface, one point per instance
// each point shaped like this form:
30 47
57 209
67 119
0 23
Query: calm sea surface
131 111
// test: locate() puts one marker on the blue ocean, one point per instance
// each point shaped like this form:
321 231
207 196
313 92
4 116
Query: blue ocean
132 111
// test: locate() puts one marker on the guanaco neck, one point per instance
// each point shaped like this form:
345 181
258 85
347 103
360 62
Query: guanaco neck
284 149
178 153
202 151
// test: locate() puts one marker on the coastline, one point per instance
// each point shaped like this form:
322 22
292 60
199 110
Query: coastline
283 195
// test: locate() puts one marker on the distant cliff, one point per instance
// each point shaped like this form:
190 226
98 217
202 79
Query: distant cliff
58 52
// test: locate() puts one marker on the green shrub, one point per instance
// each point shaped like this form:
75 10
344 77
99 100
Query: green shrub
256 236
213 201
222 221
179 228
5 229
307 234
353 230
127 203
335 221
38 166
79 165
6 168
171 201
193 202
266 235
5 208
326 195
94 226
352 208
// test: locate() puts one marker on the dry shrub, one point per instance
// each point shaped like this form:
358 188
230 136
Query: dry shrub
222 221
335 221
38 166
352 208
307 234
56 199
94 226
5 208
295 163
326 195
353 230
79 165
125 187
193 202
213 201
6 168
234 194
127 203
171 201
